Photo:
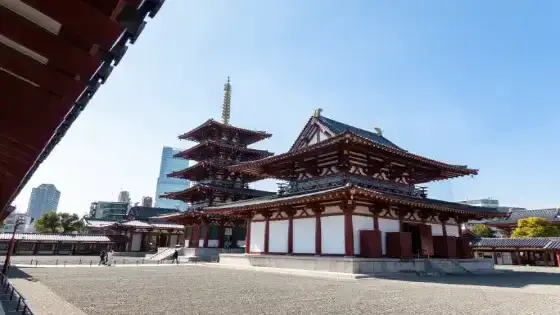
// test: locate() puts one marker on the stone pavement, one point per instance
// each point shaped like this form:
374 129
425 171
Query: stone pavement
189 289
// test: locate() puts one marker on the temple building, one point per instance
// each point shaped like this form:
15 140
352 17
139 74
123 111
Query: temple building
347 192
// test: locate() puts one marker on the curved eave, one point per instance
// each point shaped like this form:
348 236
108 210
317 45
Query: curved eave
254 135
40 31
188 153
255 167
356 193
198 172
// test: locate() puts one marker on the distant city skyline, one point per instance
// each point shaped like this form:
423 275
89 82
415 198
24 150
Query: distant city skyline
44 198
169 164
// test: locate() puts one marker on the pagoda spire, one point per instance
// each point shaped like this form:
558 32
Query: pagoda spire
226 106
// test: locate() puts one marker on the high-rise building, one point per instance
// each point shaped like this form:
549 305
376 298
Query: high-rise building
44 198
124 196
14 217
147 202
168 165
108 210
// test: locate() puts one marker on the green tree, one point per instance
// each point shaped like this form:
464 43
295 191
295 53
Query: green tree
49 222
535 227
482 230
71 223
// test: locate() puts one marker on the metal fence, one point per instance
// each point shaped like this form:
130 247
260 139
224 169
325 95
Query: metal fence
16 304
113 262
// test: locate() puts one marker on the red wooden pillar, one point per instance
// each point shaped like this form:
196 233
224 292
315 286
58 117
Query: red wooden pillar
221 231
290 213
206 234
318 233
191 237
248 234
348 209
266 231
375 211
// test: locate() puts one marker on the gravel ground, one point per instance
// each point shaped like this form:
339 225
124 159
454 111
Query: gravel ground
176 290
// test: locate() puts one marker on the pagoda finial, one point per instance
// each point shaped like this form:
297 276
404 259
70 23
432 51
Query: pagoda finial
317 112
226 106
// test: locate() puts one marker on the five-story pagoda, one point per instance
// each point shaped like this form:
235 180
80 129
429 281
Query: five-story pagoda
219 145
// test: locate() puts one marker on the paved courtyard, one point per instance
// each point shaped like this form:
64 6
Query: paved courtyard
189 289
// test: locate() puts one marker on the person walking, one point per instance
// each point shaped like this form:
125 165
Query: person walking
110 257
102 257
175 257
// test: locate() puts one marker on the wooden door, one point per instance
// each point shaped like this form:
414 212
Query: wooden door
426 240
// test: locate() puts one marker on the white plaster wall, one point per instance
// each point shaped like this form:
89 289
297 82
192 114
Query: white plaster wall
304 236
386 225
173 240
360 223
257 237
278 237
201 243
332 235
452 230
136 242
437 229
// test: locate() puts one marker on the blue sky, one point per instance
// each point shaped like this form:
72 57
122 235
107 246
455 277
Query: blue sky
466 82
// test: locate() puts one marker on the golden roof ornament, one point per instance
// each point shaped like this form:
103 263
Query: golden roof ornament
226 106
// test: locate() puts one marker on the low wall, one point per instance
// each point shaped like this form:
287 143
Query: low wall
205 254
356 265
131 254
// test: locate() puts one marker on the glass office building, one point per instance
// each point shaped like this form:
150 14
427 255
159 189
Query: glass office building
168 165
44 198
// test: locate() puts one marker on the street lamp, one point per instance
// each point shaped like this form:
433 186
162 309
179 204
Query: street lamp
18 222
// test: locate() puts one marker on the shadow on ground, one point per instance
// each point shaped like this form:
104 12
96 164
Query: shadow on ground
503 279
16 273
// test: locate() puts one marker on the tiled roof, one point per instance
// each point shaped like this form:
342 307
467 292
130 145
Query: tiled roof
206 144
553 245
206 187
274 201
551 214
164 225
536 242
255 167
195 134
337 128
38 237
99 223
144 213
135 223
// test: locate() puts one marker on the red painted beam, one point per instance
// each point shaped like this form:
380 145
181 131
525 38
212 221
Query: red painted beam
77 17
47 78
60 54
20 95
108 7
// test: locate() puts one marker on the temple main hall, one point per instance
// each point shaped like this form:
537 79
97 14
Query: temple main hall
344 191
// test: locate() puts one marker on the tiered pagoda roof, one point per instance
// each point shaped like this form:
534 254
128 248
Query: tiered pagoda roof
220 145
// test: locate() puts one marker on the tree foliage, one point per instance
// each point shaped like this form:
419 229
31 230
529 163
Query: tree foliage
535 227
52 222
49 222
482 230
